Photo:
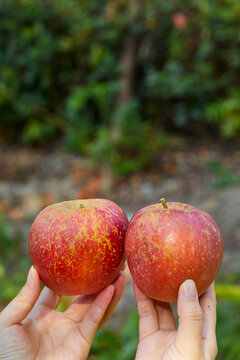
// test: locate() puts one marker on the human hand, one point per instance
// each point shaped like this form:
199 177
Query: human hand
31 328
195 337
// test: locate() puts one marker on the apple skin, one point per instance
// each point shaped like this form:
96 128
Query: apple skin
77 246
166 246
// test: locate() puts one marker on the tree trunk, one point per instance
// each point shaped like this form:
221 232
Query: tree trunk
126 81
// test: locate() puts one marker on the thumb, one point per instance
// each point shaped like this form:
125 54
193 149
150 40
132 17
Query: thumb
22 304
190 320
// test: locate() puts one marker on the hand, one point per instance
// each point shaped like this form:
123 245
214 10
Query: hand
31 328
195 337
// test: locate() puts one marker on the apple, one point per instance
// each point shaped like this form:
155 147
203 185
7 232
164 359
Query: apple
77 246
168 243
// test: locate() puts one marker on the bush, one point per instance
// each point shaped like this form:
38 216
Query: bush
61 65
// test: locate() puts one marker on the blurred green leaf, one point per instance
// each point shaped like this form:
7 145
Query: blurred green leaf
228 291
13 262
2 271
223 176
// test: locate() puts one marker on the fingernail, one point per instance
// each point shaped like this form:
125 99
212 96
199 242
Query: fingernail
189 290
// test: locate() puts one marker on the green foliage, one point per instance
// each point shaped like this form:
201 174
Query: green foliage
228 330
36 132
55 73
226 112
223 177
133 145
60 74
13 262
83 122
228 321
228 287
228 291
121 345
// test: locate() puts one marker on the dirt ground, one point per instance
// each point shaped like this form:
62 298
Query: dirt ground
205 176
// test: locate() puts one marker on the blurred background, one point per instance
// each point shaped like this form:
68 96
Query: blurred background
130 100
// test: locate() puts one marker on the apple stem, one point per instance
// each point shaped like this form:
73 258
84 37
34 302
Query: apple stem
81 206
164 203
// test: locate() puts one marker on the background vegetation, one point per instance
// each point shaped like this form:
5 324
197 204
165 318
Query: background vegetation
116 79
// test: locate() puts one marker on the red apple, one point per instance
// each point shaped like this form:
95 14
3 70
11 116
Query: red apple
167 244
78 246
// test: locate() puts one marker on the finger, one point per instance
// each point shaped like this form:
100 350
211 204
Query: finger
208 305
148 318
79 307
48 300
90 322
23 303
190 320
165 316
127 273
119 284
